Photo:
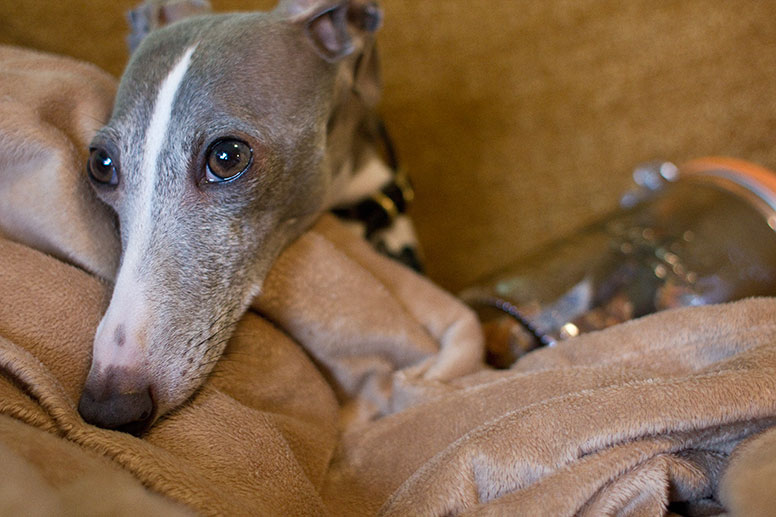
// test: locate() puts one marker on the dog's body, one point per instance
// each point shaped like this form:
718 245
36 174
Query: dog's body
230 134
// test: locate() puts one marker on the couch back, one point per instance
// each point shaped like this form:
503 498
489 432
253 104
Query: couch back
520 120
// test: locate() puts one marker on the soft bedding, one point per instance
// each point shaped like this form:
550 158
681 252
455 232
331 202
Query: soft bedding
352 386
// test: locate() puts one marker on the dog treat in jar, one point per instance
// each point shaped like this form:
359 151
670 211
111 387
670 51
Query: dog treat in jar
699 234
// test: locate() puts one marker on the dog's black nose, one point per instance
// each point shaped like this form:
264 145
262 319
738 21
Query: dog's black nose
109 401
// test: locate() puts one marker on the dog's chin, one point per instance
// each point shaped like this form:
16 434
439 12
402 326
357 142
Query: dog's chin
173 396
174 407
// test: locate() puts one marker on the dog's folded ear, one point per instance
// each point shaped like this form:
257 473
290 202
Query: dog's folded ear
334 27
154 14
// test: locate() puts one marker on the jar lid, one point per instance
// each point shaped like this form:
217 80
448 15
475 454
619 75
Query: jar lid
753 182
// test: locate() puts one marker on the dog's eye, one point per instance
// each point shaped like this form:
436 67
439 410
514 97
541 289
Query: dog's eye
227 159
101 167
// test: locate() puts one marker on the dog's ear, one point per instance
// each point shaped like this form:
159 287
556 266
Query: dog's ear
334 28
154 14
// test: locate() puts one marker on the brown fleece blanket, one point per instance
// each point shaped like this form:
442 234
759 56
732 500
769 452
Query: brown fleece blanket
352 386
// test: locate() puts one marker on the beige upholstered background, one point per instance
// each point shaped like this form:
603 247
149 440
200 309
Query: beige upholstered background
520 120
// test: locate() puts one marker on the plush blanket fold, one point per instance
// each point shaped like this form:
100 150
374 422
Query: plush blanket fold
353 386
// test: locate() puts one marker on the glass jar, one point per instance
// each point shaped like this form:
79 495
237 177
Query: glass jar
694 235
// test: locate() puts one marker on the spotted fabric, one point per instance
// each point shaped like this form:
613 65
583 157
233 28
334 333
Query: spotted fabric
380 214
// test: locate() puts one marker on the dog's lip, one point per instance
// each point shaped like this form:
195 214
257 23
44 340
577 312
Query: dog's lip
154 404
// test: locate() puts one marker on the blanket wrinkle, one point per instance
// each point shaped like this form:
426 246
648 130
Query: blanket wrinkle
747 482
353 386
27 373
411 346
456 328
763 387
41 466
50 107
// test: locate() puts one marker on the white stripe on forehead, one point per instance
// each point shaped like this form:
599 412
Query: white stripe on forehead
128 309
155 138
156 132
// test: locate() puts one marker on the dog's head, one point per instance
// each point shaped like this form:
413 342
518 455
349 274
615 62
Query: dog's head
228 137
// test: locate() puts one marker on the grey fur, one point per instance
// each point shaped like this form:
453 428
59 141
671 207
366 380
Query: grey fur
256 76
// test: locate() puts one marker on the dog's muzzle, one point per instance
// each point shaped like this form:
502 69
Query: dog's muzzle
118 400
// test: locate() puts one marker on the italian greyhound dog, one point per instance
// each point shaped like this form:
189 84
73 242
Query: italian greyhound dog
230 134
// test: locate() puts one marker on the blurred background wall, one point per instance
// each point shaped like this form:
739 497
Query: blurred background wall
520 120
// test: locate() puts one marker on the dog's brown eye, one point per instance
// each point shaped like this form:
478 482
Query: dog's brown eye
101 167
227 159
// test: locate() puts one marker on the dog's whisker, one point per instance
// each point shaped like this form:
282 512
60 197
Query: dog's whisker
210 339
214 346
211 335
223 314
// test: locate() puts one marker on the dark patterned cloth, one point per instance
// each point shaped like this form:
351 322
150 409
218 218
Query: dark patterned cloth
377 209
